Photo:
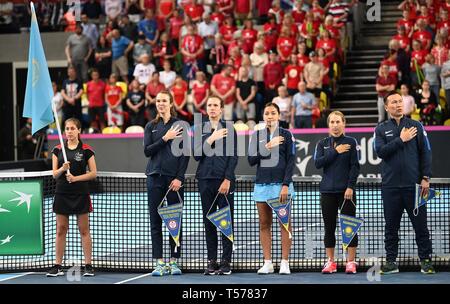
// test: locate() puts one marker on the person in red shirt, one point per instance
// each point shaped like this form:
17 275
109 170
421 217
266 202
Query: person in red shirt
285 45
422 35
235 60
446 5
192 50
418 56
227 30
318 11
384 85
326 78
176 22
243 9
391 62
273 76
294 74
331 27
194 10
276 10
271 31
113 98
302 58
443 21
179 92
249 36
309 30
224 86
226 7
403 39
439 51
153 88
289 22
411 6
95 91
148 4
298 13
263 7
407 23
199 94
427 17
237 42
328 44
217 16
166 8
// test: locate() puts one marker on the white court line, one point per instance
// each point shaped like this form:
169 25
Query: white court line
17 276
133 279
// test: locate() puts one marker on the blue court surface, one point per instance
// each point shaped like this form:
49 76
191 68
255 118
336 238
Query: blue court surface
236 278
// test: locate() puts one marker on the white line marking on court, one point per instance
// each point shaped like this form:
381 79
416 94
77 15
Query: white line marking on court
133 279
17 276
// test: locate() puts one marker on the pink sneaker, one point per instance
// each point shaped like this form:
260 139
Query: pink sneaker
329 267
351 267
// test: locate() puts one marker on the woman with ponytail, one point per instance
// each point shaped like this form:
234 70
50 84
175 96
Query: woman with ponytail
72 193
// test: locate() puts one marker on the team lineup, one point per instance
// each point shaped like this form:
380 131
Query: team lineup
400 142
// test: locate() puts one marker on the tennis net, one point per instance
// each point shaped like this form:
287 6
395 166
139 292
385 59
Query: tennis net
121 235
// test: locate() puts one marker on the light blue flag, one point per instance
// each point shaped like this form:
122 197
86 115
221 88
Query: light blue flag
39 92
349 227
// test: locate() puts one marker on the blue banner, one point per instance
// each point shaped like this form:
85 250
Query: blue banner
349 227
171 216
282 210
222 220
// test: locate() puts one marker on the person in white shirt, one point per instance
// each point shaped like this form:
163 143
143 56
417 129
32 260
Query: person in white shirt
409 104
144 70
113 8
283 100
167 76
207 29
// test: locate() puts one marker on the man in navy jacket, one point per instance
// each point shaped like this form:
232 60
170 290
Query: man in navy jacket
403 146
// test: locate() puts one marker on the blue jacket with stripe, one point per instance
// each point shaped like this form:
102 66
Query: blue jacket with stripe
161 159
219 160
340 171
404 163
275 165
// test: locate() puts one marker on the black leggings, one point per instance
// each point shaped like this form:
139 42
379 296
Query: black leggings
330 203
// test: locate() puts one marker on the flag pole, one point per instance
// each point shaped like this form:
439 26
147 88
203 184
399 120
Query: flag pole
58 127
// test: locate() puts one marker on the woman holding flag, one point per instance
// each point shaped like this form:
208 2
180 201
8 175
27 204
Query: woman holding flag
215 148
165 175
338 155
72 193
272 151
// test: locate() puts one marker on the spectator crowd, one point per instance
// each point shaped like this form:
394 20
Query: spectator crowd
248 53
418 61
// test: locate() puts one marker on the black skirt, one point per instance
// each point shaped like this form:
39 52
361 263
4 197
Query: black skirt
72 204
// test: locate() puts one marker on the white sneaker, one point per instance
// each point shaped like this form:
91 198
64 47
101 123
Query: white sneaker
266 269
284 267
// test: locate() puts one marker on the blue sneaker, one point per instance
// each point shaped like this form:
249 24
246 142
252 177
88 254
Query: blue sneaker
160 269
174 269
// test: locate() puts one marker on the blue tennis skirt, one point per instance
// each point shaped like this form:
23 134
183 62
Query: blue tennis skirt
265 192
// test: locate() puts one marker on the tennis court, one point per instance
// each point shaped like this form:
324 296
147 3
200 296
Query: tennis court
120 230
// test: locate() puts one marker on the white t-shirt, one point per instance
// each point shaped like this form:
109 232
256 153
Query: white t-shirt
167 78
206 30
113 8
285 107
143 73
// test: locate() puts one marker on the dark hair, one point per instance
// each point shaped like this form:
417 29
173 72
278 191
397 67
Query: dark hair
389 95
172 109
76 122
272 104
222 103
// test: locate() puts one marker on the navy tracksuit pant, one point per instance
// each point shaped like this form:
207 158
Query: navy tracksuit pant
157 186
395 201
208 190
